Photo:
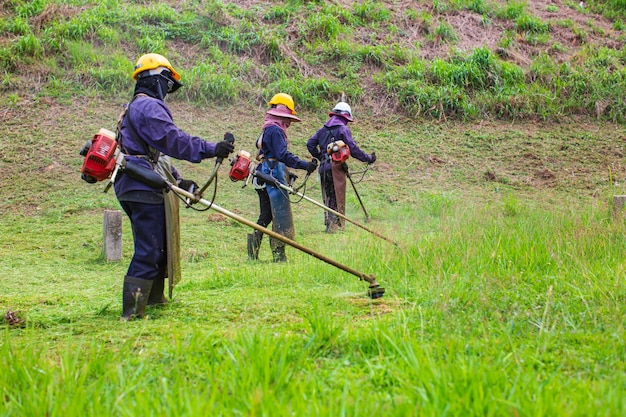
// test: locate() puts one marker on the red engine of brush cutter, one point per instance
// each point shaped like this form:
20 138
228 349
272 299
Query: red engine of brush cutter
240 166
339 152
99 161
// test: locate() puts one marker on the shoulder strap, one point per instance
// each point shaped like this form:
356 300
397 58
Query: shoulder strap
259 143
330 132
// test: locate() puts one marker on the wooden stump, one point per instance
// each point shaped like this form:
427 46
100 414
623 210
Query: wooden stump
112 247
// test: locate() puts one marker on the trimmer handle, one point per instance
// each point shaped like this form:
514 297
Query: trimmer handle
292 179
228 137
267 178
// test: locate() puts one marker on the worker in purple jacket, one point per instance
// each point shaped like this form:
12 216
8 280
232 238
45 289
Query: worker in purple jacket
148 137
332 173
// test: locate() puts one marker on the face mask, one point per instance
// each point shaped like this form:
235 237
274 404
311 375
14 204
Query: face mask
171 83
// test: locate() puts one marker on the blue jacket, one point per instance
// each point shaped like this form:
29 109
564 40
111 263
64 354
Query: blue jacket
274 146
155 130
319 141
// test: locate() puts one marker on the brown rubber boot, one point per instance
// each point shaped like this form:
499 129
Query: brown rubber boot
254 244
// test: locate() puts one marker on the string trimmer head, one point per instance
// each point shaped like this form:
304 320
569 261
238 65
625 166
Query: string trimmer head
375 290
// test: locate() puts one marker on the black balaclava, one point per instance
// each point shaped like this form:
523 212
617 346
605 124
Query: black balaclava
157 85
154 85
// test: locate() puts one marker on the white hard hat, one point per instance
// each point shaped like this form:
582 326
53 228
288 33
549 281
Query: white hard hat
342 109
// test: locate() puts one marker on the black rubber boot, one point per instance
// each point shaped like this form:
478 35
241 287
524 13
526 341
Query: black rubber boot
254 244
156 296
135 295
279 254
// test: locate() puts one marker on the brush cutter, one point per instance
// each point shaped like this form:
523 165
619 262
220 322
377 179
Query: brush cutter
271 180
157 181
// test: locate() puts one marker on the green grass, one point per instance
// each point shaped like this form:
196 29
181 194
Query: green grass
503 297
489 310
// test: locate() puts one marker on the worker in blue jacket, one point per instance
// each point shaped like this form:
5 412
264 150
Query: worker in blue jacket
332 173
148 137
275 157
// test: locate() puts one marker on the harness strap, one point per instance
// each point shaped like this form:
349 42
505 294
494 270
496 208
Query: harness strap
330 133
151 154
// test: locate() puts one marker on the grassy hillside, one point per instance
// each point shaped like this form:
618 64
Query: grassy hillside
461 59
495 65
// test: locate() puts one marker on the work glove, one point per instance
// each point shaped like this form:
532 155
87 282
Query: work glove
292 178
223 148
373 156
311 166
228 137
188 185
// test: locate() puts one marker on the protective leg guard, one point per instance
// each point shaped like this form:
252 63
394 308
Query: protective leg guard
254 244
135 295
339 184
156 296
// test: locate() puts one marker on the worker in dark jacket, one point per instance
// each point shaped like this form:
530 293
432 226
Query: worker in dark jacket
337 134
148 137
275 157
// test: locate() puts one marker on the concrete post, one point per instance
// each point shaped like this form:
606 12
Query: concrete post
112 246
618 204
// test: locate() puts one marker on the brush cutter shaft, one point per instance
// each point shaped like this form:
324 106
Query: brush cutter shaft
345 168
371 279
269 178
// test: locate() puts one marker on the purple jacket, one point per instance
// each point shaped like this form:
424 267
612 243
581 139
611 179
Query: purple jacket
319 141
155 130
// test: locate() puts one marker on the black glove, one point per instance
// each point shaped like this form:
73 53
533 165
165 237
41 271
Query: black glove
292 178
228 137
223 148
373 156
188 185
311 166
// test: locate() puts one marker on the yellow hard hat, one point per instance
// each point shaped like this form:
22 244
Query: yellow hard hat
149 62
285 100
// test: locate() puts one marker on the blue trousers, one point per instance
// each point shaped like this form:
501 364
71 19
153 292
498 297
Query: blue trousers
148 224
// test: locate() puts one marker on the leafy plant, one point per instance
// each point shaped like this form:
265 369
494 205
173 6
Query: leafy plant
371 11
512 10
527 23
323 27
445 32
